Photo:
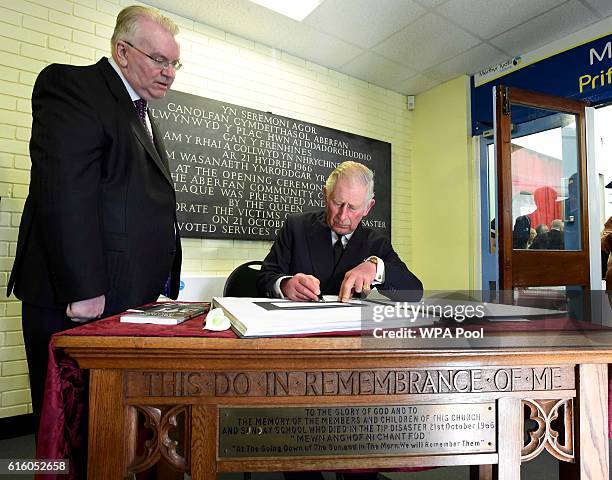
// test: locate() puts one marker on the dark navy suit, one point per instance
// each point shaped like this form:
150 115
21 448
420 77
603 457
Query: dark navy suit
304 245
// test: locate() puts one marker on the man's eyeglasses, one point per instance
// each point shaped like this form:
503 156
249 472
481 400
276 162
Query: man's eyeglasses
160 61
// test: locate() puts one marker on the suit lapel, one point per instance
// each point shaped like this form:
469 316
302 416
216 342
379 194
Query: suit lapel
320 249
128 111
158 153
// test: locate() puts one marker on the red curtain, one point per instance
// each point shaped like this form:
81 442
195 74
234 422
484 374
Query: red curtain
540 175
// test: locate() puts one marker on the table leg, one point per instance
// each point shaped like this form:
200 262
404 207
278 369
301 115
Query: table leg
481 472
106 453
592 445
568 471
203 442
131 435
509 439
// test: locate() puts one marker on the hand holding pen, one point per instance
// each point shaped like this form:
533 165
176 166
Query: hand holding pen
301 288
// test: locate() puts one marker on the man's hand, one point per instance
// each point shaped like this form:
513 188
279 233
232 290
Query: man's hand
84 310
358 279
301 288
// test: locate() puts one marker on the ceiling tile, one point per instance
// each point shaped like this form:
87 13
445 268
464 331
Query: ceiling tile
432 44
553 25
254 22
431 3
429 41
376 69
239 17
467 63
417 84
488 18
603 7
318 47
361 24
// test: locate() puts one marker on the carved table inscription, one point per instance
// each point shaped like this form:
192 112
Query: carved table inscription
356 430
346 382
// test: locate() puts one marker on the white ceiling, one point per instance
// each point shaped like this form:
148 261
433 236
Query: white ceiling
408 46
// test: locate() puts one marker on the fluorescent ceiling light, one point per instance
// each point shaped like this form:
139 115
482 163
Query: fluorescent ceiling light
296 9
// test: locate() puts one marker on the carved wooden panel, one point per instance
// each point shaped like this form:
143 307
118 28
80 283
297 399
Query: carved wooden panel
159 433
554 430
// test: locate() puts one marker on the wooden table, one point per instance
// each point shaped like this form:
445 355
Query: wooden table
157 379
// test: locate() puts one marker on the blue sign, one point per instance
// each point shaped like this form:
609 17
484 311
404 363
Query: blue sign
583 73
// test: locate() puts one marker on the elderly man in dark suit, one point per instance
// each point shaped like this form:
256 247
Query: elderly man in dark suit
98 232
331 252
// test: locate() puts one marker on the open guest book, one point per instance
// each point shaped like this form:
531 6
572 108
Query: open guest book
265 317
166 313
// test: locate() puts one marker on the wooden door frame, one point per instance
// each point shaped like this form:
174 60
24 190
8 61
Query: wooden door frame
530 267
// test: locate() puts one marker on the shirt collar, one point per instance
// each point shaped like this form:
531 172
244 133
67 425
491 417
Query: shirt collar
133 95
345 238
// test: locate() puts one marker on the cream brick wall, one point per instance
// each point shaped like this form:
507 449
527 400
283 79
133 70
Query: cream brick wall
218 65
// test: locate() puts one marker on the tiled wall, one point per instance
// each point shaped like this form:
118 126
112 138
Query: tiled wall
218 65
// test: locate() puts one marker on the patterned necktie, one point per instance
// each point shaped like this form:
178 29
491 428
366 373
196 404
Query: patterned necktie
141 109
338 250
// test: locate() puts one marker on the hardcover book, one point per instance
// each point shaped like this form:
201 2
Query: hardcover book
166 313
265 317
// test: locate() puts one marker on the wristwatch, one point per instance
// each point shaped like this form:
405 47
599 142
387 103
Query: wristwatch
379 268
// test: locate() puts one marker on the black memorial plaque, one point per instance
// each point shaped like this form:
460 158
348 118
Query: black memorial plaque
238 172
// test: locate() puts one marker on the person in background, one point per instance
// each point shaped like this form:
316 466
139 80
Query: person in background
98 233
540 242
520 232
330 252
532 236
555 236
